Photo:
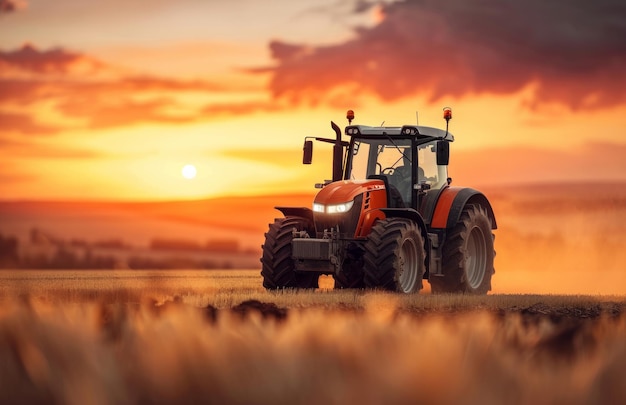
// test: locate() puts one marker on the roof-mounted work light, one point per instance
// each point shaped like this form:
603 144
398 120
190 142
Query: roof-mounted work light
353 130
409 130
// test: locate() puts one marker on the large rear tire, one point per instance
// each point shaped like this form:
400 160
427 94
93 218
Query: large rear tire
468 255
278 269
394 256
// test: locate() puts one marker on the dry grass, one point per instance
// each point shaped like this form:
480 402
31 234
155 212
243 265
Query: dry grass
186 337
227 288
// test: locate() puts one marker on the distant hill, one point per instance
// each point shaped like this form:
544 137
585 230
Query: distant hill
246 218
242 218
212 233
550 237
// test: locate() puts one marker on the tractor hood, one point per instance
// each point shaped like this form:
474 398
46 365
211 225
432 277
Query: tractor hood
346 190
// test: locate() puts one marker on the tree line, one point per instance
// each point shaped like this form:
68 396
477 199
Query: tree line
44 251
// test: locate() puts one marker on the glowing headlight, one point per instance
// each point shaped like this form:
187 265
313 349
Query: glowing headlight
339 208
318 207
333 209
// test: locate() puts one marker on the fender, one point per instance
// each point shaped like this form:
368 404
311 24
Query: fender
451 203
429 203
302 212
367 221
408 213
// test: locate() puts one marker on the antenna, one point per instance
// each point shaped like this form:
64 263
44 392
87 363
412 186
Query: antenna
417 118
382 123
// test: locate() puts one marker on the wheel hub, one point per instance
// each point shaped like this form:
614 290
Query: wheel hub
408 265
476 259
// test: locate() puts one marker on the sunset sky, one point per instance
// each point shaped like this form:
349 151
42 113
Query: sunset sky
110 99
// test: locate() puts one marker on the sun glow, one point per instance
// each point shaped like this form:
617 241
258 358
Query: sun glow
189 171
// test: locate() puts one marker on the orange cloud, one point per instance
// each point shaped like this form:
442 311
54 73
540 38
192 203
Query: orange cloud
17 148
87 93
241 108
124 111
572 52
25 123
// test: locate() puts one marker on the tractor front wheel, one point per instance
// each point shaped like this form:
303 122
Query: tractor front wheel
468 255
278 269
351 274
350 277
394 256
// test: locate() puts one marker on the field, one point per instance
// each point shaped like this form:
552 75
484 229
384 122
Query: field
116 337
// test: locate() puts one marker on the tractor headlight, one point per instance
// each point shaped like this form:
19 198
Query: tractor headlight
333 209
339 208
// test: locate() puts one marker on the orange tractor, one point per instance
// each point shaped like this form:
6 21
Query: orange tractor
388 219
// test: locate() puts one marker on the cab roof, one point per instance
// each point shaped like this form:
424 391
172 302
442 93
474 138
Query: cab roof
398 131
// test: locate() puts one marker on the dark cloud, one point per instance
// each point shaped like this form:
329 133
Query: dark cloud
30 59
362 6
573 52
10 6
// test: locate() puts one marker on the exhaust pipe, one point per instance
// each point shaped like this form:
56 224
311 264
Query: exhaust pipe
337 154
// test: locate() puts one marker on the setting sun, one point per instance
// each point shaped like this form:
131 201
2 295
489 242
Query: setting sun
189 171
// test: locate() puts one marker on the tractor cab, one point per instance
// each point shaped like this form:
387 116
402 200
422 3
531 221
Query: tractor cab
410 160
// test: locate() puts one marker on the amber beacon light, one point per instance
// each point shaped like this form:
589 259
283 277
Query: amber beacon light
447 113
350 116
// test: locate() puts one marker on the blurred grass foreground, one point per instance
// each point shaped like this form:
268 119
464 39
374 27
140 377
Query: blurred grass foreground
365 348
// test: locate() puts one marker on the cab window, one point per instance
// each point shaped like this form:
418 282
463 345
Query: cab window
430 173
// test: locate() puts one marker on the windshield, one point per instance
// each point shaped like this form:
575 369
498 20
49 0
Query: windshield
377 156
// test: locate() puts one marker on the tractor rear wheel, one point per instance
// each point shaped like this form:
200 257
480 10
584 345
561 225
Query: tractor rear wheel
278 269
468 255
394 256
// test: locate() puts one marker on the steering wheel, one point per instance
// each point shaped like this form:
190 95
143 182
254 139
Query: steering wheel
388 170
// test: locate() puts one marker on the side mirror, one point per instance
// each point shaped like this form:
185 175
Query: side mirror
307 155
443 153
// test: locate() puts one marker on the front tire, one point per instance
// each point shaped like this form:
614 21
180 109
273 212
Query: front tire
394 256
278 269
468 255
343 281
351 274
